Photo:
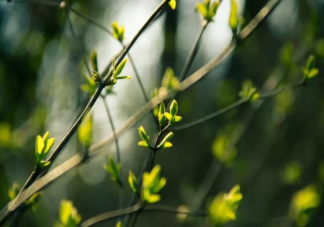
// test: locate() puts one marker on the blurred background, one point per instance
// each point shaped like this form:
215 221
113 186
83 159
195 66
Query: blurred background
275 146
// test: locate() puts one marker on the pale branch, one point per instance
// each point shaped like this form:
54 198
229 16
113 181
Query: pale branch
234 106
112 125
48 3
136 208
193 53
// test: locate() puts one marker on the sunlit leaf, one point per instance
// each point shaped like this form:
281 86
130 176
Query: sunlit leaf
234 17
69 216
223 207
303 203
173 4
85 131
132 180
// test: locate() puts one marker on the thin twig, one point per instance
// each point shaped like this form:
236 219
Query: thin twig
193 53
113 129
48 3
80 47
137 207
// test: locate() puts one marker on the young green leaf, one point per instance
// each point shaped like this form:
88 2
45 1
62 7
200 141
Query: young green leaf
152 184
118 31
42 146
310 71
85 131
161 116
174 108
207 10
94 61
223 149
69 216
173 4
172 116
113 169
234 17
144 136
31 203
119 224
303 204
120 67
133 183
90 85
170 81
96 77
165 143
249 92
223 207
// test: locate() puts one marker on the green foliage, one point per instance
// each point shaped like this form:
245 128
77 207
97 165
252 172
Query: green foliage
170 81
94 61
161 116
172 116
145 138
152 184
31 203
223 149
119 224
85 131
117 71
133 183
234 19
286 55
33 200
5 132
166 141
42 146
291 173
113 169
310 71
208 10
249 92
13 191
303 203
90 86
69 216
118 31
173 4
223 207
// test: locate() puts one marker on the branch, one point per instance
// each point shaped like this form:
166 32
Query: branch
234 106
193 53
48 3
136 208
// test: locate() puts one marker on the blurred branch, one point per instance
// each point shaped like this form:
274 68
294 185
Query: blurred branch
234 106
137 207
113 128
48 3
193 53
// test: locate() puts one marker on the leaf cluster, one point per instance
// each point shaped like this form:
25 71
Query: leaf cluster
42 146
152 184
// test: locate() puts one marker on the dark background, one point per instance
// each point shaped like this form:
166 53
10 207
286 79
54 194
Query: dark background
42 67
